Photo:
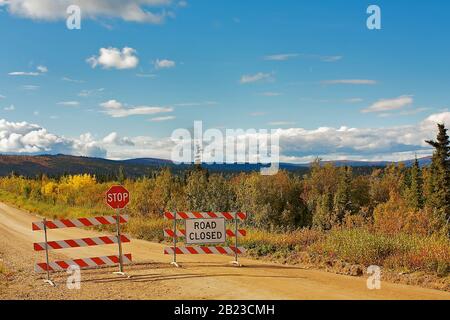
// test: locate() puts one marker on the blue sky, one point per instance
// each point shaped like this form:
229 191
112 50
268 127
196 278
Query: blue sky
297 66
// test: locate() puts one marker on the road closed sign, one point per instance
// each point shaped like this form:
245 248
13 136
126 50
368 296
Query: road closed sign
204 231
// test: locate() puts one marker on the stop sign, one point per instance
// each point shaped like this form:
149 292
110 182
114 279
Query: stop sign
117 197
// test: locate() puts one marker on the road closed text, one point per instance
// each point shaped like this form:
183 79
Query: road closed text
201 231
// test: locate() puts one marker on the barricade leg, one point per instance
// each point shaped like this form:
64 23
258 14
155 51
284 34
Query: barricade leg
236 261
174 261
48 280
119 244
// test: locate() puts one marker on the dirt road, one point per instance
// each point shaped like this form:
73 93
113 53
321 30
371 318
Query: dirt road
201 277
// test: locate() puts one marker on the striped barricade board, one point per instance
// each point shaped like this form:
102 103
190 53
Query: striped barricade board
77 243
204 250
78 223
85 263
204 215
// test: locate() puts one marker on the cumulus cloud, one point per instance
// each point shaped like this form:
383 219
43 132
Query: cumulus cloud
10 108
300 145
127 10
24 137
114 139
384 105
164 64
260 76
116 109
115 58
363 143
394 143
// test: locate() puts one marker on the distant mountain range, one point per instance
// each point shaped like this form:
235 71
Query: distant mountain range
54 165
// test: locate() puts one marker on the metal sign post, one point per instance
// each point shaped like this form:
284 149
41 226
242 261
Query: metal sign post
117 197
48 280
236 233
174 261
119 243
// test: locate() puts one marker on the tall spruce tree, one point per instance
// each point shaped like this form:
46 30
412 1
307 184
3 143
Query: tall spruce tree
416 199
440 170
342 198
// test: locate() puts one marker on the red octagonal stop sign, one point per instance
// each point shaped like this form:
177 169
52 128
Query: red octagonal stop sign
117 197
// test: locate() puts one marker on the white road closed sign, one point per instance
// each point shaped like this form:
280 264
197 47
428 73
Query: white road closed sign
201 231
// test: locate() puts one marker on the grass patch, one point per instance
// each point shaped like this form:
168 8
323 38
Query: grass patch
397 252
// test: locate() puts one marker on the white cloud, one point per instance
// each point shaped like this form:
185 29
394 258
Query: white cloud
2 96
24 137
331 58
164 64
114 139
72 80
288 56
30 87
42 69
160 119
115 58
10 108
69 103
297 144
281 123
23 73
351 81
384 105
39 70
116 109
88 93
281 57
260 76
196 104
127 10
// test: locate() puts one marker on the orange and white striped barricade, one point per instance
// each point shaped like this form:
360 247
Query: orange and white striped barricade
83 263
204 228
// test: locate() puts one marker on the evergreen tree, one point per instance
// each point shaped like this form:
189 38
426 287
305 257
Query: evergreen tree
415 196
121 177
342 198
440 173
